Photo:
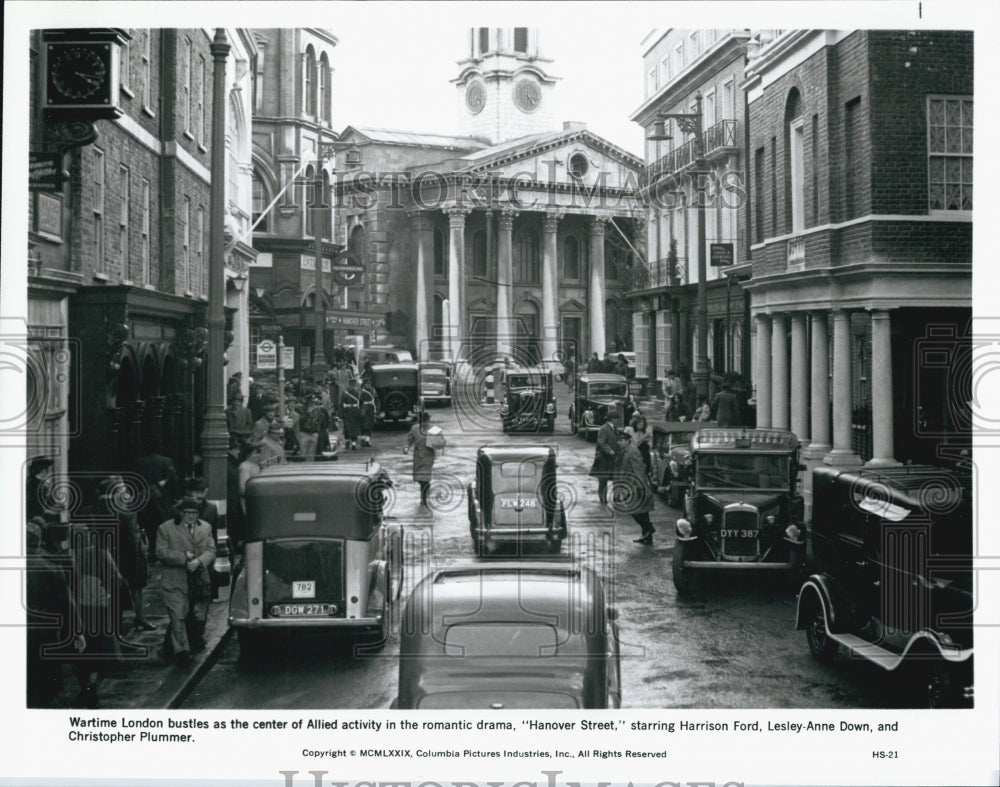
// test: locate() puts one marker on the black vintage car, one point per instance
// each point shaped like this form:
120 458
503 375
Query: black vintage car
893 579
743 510
436 382
397 386
509 635
594 394
671 455
515 498
528 402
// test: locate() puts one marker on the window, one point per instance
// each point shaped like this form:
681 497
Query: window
199 119
327 213
774 185
526 269
708 110
440 258
308 83
678 58
124 63
694 38
324 88
758 195
571 258
309 198
202 269
260 202
484 40
186 241
617 256
98 210
258 82
145 232
949 153
664 347
479 265
852 185
665 70
578 165
640 343
186 98
147 60
123 203
651 81
795 165
729 100
815 169
254 341
521 39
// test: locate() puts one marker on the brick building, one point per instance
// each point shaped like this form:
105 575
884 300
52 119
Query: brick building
860 152
118 257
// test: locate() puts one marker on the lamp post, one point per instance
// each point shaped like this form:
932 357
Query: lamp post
323 151
690 123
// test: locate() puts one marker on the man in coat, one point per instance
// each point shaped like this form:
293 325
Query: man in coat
633 490
605 452
185 548
423 455
159 472
726 407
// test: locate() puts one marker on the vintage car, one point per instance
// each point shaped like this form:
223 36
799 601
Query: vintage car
318 558
527 400
386 354
892 553
515 499
436 379
670 451
397 388
743 510
509 635
594 392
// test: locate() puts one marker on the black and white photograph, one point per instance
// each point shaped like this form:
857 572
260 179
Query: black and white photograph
599 397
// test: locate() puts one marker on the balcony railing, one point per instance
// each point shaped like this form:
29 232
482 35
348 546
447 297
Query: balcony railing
721 136
657 275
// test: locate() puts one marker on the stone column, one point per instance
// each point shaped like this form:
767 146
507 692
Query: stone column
882 427
763 379
423 311
842 455
595 294
456 278
779 372
800 379
550 288
819 385
505 280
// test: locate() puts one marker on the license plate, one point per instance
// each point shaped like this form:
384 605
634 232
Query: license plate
301 610
304 589
739 532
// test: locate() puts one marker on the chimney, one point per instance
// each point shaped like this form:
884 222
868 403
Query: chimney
574 125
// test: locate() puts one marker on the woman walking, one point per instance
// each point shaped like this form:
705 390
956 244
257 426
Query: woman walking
423 455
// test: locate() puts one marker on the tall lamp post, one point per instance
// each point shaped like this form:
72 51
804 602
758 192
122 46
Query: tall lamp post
324 150
215 433
690 123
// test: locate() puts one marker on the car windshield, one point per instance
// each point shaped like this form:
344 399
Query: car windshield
742 471
515 476
525 381
607 389
433 371
504 639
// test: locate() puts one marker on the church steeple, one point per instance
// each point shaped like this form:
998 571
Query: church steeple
503 88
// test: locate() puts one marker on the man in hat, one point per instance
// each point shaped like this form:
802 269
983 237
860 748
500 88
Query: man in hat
262 424
273 445
164 486
208 511
605 451
185 548
238 418
633 489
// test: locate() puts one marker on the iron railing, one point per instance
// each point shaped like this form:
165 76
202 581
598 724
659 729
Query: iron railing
657 274
721 136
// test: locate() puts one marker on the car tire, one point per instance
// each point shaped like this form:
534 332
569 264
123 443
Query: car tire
679 573
821 645
395 402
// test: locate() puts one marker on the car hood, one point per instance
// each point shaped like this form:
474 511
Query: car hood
760 500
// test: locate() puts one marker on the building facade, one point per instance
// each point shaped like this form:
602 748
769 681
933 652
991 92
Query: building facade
693 72
118 255
861 192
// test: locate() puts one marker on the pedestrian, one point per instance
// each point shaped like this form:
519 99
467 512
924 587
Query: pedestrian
606 451
313 422
350 408
677 410
262 424
273 446
423 455
703 412
249 467
726 407
258 401
239 420
637 430
570 367
594 364
234 508
621 366
186 550
208 511
164 490
633 489
369 404
131 548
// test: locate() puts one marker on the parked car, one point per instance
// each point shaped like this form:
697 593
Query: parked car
387 354
509 635
515 499
436 379
743 509
397 386
594 392
528 402
319 557
671 455
893 580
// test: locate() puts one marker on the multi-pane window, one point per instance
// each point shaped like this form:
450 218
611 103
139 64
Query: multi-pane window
520 39
186 85
664 354
200 102
308 96
678 58
254 341
98 210
123 204
484 40
321 88
327 213
147 62
202 254
949 153
124 63
526 270
260 202
186 241
571 258
310 199
145 231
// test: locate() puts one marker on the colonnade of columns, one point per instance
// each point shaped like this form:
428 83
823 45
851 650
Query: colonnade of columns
455 317
793 388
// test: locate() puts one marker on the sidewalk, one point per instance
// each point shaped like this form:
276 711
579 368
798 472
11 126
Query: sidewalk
144 679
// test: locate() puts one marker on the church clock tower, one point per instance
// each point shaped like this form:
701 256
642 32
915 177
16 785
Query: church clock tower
504 91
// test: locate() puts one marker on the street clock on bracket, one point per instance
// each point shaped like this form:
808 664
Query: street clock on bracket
81 73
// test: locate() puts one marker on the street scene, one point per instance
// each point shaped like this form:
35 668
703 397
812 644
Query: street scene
323 414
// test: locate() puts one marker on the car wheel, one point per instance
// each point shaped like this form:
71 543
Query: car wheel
821 645
396 402
681 575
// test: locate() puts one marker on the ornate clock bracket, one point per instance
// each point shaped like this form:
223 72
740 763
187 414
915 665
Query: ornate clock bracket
68 134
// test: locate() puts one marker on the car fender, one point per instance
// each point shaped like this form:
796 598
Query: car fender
377 591
239 607
823 591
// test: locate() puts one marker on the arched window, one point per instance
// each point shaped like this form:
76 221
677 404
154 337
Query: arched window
327 213
323 88
261 199
571 258
794 175
440 256
308 83
526 270
479 262
308 199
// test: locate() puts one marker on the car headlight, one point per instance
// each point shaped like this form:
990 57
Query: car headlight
588 417
504 408
550 407
770 520
684 528
792 532
709 519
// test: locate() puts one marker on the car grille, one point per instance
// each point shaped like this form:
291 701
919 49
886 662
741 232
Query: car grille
320 562
741 520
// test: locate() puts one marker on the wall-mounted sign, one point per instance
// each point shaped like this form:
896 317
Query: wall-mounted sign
287 357
721 254
267 355
309 263
45 171
355 320
48 214
348 270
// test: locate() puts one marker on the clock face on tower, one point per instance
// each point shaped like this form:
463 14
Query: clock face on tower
475 97
78 74
527 95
